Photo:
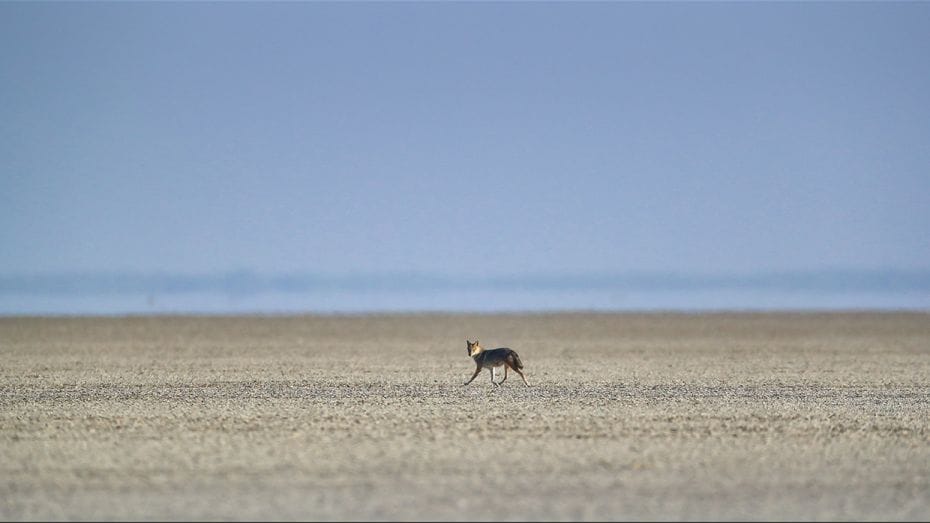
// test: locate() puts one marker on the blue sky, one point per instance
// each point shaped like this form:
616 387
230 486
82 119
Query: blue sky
464 139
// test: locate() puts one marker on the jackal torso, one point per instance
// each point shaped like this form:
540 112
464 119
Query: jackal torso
493 357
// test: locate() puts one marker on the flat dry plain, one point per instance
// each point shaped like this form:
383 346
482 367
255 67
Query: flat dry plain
628 416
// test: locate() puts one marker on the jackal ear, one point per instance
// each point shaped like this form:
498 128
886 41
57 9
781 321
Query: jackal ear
476 342
468 342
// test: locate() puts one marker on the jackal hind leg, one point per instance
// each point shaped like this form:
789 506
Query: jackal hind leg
501 382
522 376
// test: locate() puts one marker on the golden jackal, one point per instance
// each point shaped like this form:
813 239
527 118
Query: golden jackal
494 358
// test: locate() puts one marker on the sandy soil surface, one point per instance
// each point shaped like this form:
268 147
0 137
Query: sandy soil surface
628 416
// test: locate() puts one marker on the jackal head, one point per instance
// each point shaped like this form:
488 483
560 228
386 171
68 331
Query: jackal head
473 348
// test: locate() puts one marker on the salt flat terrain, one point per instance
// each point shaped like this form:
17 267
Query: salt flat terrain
628 416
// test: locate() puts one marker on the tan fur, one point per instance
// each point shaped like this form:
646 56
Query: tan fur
489 359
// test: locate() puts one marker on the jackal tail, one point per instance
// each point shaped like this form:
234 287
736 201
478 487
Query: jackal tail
516 360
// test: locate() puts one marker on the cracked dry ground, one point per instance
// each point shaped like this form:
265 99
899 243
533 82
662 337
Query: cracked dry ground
629 416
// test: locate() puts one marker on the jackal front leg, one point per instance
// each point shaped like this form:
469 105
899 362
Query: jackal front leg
473 376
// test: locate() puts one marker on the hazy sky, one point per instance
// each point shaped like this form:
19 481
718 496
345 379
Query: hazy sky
464 138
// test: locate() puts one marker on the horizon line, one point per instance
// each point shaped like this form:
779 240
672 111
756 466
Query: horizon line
246 281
